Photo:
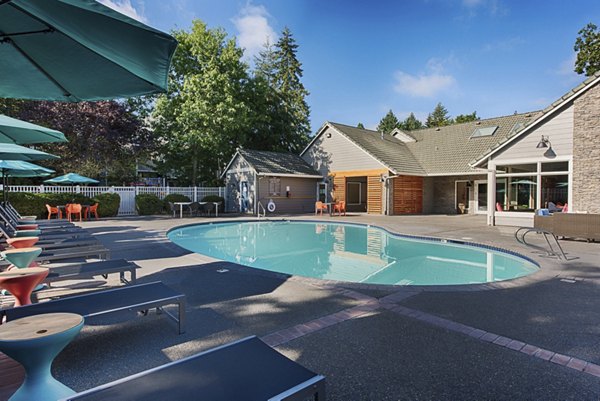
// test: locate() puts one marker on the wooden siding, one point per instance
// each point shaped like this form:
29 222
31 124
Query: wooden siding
407 195
303 194
339 188
560 132
374 195
338 153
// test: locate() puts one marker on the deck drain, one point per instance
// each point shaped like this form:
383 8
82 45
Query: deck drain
222 270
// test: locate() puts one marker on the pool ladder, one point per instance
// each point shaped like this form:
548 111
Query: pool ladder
553 250
260 205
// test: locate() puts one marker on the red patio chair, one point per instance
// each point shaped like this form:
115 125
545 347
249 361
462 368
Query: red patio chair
340 207
53 210
74 208
93 209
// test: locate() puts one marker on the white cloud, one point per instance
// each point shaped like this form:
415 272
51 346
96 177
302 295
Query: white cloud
506 45
252 23
472 3
125 7
428 84
495 8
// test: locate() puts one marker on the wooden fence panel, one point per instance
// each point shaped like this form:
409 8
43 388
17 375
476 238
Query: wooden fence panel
374 194
407 196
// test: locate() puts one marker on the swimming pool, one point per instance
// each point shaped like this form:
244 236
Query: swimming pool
349 252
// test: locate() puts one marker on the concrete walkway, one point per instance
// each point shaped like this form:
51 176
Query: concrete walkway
530 338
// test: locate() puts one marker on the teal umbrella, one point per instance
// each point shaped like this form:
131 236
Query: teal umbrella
71 178
73 50
10 151
23 133
19 168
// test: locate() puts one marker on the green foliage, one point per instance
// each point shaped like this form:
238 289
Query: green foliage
174 198
465 118
439 117
411 123
360 125
215 198
388 123
148 204
29 204
587 46
108 204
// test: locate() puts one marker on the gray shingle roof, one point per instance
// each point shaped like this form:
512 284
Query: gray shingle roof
443 150
266 163
390 151
450 149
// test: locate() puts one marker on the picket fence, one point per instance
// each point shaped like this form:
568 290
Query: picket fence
127 194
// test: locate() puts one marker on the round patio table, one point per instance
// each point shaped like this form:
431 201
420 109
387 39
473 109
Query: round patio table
34 342
21 257
21 282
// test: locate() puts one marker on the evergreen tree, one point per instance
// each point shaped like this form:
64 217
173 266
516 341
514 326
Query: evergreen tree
438 118
360 125
411 123
295 111
465 118
587 46
388 123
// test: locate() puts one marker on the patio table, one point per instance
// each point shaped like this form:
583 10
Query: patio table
34 342
181 205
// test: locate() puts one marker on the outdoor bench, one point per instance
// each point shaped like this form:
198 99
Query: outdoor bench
138 297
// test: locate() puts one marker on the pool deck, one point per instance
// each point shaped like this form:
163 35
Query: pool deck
531 338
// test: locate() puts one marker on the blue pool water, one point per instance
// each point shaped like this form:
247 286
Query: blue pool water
348 252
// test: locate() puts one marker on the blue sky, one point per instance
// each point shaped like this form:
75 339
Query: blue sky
363 58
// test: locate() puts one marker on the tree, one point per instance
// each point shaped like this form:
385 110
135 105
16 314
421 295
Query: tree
360 125
411 123
465 118
204 116
105 138
288 84
587 46
439 117
388 123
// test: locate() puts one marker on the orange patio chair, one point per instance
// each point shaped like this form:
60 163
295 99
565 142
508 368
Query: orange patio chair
74 208
340 207
93 209
53 210
319 207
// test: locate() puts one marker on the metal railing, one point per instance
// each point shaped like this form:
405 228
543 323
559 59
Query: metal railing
552 250
259 206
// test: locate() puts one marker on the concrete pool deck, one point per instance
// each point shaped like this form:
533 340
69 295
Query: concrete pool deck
531 338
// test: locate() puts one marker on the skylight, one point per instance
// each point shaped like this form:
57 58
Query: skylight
516 128
485 131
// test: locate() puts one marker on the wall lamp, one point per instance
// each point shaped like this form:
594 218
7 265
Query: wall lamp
544 143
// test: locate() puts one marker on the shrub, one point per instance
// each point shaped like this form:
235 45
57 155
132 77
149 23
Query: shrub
148 204
29 204
215 198
108 204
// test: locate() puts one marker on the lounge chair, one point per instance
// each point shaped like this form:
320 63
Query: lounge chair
79 271
78 252
246 369
138 297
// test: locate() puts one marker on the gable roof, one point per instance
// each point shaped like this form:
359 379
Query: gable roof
448 150
275 163
540 118
389 151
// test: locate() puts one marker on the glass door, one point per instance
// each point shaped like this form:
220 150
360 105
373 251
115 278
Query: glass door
481 196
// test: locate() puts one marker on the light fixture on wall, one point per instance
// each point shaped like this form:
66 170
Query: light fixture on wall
544 142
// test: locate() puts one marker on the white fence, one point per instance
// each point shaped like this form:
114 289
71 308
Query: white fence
127 194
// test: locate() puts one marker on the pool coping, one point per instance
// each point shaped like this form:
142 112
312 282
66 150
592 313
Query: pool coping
402 290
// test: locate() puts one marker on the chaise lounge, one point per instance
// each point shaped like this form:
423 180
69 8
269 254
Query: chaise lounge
246 369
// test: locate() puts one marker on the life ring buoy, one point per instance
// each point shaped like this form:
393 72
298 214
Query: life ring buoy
271 206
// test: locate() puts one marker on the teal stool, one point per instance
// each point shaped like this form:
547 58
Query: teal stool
21 257
34 342
27 233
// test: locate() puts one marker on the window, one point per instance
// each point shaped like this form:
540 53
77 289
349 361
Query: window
485 131
274 186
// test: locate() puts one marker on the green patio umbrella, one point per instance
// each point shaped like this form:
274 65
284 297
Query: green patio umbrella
71 178
24 133
73 50
10 151
19 168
